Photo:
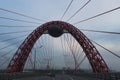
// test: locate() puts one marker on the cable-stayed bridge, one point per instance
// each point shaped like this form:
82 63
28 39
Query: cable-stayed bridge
56 49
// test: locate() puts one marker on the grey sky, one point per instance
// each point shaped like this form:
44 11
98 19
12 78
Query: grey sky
49 10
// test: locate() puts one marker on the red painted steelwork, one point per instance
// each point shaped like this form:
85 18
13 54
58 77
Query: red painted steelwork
18 61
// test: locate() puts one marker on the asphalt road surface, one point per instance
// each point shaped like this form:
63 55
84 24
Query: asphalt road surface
57 77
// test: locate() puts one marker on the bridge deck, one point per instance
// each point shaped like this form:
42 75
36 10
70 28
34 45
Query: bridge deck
57 77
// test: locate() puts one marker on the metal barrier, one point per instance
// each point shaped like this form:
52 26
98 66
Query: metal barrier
101 76
11 76
108 76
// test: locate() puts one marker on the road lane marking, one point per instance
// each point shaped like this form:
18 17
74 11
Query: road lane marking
69 77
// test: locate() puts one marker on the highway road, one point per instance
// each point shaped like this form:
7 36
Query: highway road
57 77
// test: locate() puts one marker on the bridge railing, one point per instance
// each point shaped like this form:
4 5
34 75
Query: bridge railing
108 76
11 76
102 76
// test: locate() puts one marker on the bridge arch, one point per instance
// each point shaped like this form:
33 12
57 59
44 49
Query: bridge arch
95 59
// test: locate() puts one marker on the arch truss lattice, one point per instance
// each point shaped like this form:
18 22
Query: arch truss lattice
95 59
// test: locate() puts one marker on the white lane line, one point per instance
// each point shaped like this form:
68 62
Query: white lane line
69 77
53 78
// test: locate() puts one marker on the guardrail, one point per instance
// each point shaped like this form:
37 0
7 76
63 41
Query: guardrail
108 76
11 76
101 76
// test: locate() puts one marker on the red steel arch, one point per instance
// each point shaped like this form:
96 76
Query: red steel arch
95 59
